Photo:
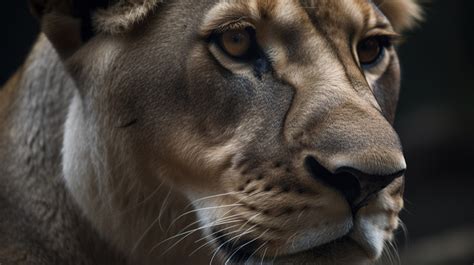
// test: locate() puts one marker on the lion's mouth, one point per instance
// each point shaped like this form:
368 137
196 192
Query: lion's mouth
237 251
244 252
251 251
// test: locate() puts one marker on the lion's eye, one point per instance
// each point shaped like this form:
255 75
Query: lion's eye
372 49
236 43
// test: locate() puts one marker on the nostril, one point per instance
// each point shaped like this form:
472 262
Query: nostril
369 184
356 186
343 181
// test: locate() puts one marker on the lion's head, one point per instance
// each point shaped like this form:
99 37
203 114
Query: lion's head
273 119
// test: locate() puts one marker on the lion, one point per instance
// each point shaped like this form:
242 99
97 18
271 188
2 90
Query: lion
204 132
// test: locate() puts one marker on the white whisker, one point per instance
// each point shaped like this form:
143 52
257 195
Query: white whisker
293 241
249 220
222 218
162 209
237 250
198 221
405 231
275 256
251 255
248 231
263 256
187 233
211 197
202 209
145 233
211 235
215 239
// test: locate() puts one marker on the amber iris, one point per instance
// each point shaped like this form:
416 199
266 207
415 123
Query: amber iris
369 50
236 42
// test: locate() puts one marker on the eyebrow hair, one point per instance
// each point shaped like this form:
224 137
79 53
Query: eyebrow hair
239 23
225 17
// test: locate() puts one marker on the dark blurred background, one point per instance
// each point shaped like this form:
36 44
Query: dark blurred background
435 123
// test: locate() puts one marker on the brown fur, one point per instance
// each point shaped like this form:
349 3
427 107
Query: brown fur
110 147
403 14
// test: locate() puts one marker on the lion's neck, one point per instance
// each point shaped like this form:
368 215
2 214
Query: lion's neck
33 107
135 217
106 181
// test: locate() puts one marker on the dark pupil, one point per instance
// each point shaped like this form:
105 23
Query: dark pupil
237 38
368 46
369 50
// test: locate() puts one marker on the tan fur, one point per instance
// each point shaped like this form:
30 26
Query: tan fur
147 141
403 14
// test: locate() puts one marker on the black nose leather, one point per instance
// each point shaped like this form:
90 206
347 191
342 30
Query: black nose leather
355 185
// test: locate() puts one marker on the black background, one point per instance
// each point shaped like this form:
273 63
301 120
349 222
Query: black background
435 121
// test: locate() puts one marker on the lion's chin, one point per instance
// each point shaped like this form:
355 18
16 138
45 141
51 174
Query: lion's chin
344 250
362 245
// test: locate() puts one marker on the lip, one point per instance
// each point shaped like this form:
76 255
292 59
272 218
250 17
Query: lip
363 241
351 241
325 254
362 237
317 255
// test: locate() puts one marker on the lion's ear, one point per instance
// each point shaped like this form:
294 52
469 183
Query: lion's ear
70 23
122 16
403 14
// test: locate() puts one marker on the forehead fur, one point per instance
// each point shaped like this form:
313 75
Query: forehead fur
122 15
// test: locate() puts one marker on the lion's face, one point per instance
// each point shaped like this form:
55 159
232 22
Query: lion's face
272 117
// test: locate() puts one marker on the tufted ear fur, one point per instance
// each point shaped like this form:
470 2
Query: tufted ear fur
123 15
403 14
69 23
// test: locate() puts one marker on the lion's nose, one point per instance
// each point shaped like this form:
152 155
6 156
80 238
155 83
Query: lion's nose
356 186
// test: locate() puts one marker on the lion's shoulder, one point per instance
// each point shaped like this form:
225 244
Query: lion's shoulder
18 241
27 240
